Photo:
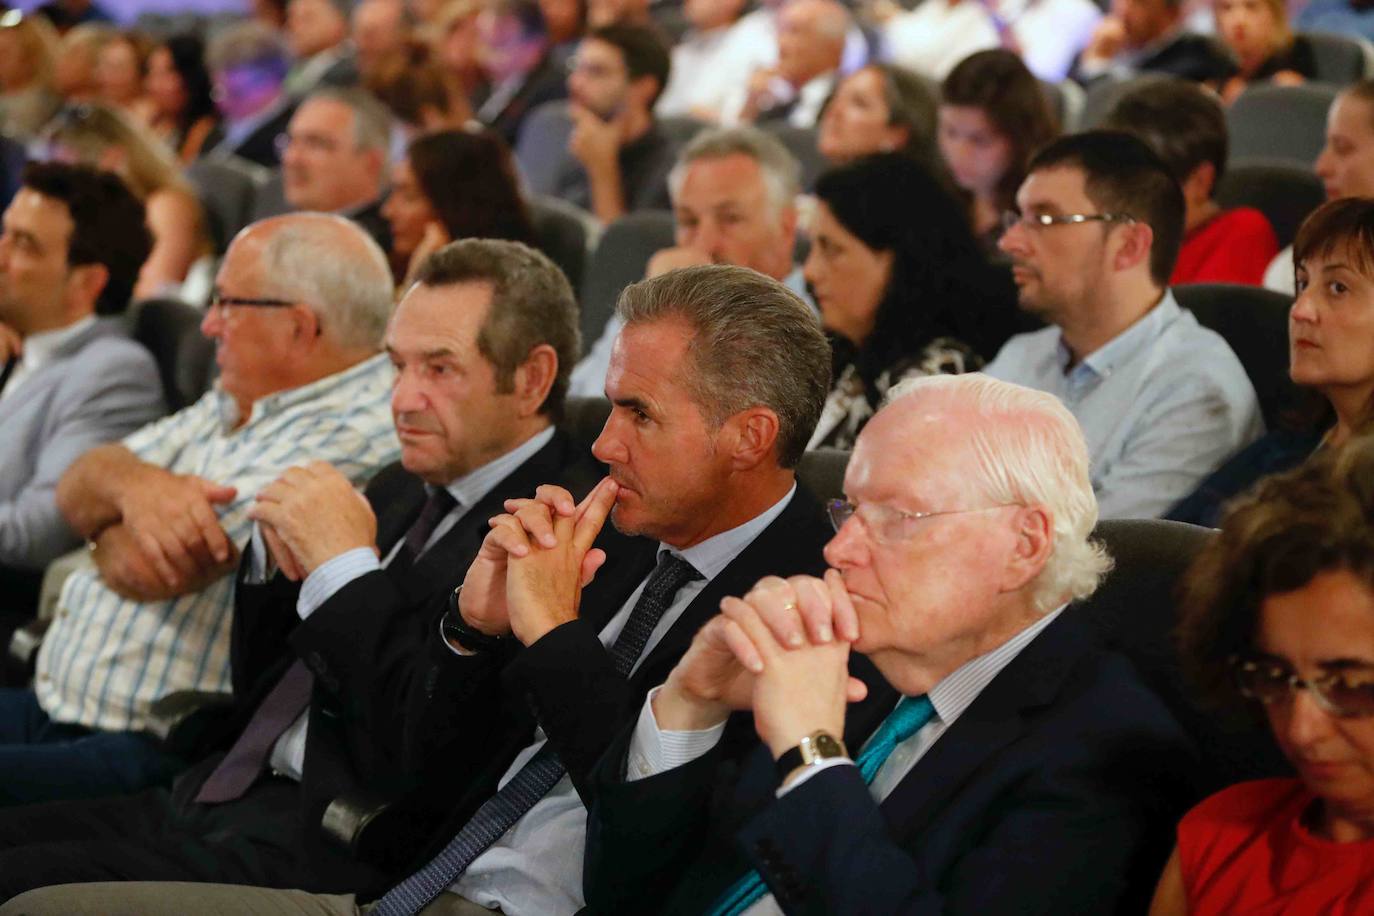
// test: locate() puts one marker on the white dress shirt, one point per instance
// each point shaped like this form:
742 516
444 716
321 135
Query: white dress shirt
38 350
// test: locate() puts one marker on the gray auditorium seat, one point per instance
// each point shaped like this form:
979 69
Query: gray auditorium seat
619 260
228 188
1280 122
565 233
1283 191
1341 59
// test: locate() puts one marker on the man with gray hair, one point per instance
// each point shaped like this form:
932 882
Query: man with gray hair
335 158
998 748
248 63
297 315
548 650
811 47
734 193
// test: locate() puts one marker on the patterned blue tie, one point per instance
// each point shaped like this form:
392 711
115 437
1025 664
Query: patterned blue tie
910 716
543 771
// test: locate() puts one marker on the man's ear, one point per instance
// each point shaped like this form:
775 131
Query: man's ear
1134 242
85 283
1033 531
534 379
308 327
750 437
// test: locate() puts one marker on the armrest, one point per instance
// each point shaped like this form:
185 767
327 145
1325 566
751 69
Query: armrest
376 831
188 722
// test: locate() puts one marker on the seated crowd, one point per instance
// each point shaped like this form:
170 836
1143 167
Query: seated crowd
543 456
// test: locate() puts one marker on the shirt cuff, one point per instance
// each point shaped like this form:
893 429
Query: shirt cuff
812 770
333 575
653 751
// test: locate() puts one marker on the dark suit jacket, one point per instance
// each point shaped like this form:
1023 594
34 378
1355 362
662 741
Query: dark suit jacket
1193 57
547 82
565 681
1056 791
367 648
261 145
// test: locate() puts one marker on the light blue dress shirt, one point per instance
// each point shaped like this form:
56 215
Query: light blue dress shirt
1162 405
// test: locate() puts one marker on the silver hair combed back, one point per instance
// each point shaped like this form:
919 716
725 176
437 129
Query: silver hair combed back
781 171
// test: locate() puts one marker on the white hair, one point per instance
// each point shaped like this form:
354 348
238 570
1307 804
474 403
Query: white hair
332 265
1029 450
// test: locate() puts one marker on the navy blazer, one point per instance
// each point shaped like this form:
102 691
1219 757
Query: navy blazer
367 647
565 681
1056 791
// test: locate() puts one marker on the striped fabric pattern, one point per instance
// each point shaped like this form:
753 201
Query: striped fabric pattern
107 658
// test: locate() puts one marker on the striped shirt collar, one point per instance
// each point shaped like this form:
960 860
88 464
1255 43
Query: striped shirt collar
957 691
278 401
469 489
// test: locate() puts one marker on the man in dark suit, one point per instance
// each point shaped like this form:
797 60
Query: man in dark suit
248 63
719 376
519 64
1003 763
482 345
1150 36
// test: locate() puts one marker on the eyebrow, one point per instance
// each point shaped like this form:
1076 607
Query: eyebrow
1345 664
631 404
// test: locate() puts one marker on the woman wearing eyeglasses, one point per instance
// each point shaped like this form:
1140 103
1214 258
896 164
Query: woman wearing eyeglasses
1279 609
902 286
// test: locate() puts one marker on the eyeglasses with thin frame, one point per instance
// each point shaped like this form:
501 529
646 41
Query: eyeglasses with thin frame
221 302
1345 694
1045 220
888 524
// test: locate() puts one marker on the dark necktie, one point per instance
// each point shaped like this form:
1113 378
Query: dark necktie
245 761
543 771
910 716
10 365
439 504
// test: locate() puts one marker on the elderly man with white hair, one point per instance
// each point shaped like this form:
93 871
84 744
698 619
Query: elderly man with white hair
1002 762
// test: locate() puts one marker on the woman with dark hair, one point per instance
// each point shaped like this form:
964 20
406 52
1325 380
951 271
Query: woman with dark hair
1279 609
1330 352
993 117
178 84
902 287
452 185
880 108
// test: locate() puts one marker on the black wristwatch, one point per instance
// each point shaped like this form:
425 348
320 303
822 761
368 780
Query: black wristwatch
456 629
814 748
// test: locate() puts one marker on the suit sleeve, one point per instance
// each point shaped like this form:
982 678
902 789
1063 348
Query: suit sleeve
1076 834
113 398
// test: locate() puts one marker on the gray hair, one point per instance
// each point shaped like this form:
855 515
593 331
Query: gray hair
247 43
1029 450
371 120
755 343
532 303
780 169
336 268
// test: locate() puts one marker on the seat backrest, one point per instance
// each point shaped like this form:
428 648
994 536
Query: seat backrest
541 148
1283 191
1066 99
271 197
680 129
228 188
801 143
620 259
1280 122
170 330
1135 612
562 231
1103 94
821 471
1254 322
583 419
1340 59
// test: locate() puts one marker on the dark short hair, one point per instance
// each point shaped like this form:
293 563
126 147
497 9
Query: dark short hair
469 179
1123 175
1344 226
642 47
108 225
1276 538
531 304
1181 121
997 83
755 343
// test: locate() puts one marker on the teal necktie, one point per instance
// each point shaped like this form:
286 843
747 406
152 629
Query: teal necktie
910 716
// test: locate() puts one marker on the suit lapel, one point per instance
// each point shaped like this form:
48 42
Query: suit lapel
995 719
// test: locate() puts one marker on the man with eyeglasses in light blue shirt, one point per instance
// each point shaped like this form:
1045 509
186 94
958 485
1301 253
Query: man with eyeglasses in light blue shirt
1162 400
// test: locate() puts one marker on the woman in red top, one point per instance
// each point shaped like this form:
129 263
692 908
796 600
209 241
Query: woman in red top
1281 606
1186 127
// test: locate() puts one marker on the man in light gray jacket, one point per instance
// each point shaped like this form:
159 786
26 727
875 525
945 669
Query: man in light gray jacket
72 243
